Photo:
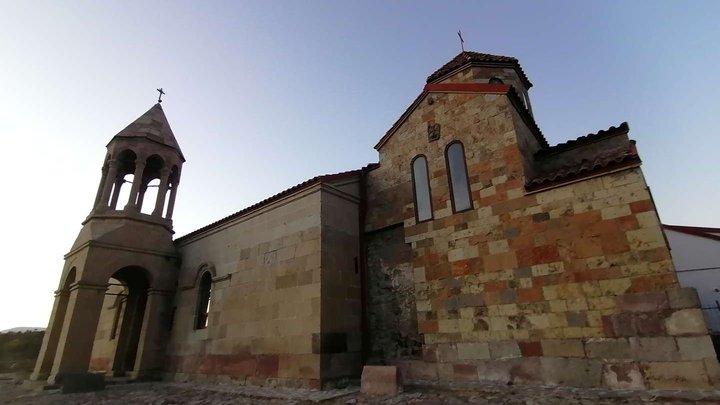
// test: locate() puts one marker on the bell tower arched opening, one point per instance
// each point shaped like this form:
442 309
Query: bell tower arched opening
128 290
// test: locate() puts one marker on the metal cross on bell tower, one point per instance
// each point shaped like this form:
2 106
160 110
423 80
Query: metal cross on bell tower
462 41
160 90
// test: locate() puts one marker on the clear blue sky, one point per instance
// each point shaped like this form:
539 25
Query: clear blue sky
263 95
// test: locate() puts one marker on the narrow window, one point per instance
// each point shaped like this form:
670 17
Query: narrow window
421 184
457 171
203 307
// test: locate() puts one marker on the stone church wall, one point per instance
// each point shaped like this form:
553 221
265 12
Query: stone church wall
573 285
391 297
285 301
340 341
265 305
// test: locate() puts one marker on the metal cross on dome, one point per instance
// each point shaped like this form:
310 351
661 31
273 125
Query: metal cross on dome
160 90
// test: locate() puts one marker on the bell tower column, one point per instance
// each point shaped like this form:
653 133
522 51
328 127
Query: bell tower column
162 192
154 332
101 186
137 181
108 182
78 332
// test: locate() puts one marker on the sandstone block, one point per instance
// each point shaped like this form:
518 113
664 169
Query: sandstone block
473 351
465 372
623 376
446 353
563 348
685 374
681 298
571 372
650 323
526 370
419 370
643 302
615 212
695 347
445 371
497 371
429 353
504 349
661 348
686 322
379 380
713 371
646 238
608 349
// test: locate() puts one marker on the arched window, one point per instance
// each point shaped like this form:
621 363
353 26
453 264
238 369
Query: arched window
421 186
457 173
495 80
203 307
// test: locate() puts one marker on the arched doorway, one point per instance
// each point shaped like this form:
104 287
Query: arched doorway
121 322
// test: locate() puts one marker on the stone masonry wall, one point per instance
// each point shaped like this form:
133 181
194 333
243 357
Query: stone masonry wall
265 304
340 341
573 285
105 343
483 74
391 297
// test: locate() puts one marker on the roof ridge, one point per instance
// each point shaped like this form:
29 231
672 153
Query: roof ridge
467 57
694 228
621 129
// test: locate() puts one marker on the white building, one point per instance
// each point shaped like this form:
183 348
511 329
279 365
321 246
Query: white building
696 255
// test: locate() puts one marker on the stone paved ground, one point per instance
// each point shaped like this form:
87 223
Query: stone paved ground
427 394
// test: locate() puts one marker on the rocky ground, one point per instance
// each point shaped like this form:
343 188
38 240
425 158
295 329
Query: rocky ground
429 394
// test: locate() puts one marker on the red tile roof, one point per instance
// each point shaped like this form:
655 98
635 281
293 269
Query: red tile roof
703 232
294 189
469 57
604 162
621 129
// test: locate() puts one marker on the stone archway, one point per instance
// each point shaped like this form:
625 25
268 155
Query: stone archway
128 289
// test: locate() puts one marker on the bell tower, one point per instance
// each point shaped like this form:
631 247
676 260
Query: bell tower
124 250
147 150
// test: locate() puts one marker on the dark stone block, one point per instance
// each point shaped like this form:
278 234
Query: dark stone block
81 382
512 232
541 217
329 343
530 349
576 319
623 324
650 324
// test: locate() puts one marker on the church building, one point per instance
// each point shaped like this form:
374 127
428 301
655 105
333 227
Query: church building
473 250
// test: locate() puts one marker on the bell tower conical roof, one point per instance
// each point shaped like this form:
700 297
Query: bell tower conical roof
152 125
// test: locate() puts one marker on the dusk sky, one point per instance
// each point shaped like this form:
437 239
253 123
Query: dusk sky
263 95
